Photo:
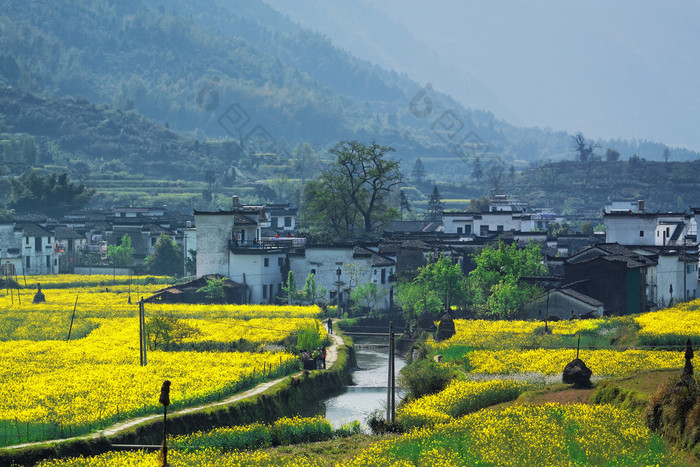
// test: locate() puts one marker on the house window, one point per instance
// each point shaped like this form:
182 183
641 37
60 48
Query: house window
280 261
499 228
287 221
468 229
48 261
266 262
29 262
383 276
484 230
26 240
37 243
153 241
459 230
313 271
264 290
641 233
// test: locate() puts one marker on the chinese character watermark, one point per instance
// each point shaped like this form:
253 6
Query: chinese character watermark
448 126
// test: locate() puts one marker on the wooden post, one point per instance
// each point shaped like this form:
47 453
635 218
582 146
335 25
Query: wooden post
393 375
72 317
245 291
578 346
142 333
390 401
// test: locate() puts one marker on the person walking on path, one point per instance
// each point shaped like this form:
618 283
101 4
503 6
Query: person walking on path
330 326
323 356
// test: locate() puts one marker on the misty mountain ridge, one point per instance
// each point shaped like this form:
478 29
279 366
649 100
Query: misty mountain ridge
243 72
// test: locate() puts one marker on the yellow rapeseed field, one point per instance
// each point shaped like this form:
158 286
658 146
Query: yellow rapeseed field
459 398
551 434
604 362
672 325
96 378
485 333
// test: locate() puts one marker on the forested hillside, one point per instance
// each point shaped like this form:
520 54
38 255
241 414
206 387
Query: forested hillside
185 103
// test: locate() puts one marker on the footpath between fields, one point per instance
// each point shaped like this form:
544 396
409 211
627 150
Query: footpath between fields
264 403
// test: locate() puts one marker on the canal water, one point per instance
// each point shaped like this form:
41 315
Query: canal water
370 384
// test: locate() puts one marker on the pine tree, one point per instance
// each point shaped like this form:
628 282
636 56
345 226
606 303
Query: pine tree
418 172
405 205
435 206
477 169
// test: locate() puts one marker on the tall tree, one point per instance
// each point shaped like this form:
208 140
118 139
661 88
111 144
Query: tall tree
53 193
122 255
357 187
404 204
305 162
438 286
581 148
495 283
166 259
477 169
435 206
418 172
612 155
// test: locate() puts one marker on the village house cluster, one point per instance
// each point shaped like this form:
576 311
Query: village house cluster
643 261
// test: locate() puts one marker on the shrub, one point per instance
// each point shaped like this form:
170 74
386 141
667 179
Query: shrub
424 377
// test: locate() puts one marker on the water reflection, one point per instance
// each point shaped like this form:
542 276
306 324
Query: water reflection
369 391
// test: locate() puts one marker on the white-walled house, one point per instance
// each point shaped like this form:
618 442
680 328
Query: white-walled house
229 243
27 248
648 228
357 265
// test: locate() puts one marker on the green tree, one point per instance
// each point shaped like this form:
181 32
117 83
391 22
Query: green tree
164 329
435 206
122 255
366 295
480 204
312 292
166 259
418 172
353 196
215 290
495 283
437 287
612 155
290 288
403 203
305 162
53 193
477 169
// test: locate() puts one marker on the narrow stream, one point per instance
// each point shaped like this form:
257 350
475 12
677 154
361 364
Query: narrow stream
370 384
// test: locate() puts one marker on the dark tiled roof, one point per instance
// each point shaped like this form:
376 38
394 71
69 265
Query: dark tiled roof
382 261
242 220
33 230
67 232
581 297
416 226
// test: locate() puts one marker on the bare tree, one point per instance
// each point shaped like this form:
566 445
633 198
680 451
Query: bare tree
582 149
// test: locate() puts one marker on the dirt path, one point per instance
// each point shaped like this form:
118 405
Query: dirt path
331 358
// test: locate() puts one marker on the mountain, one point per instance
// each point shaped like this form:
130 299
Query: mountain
210 98
611 70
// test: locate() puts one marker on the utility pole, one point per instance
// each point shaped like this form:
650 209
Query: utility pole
391 385
142 333
338 272
685 269
72 317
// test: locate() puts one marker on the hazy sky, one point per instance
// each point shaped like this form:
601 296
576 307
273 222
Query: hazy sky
611 69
